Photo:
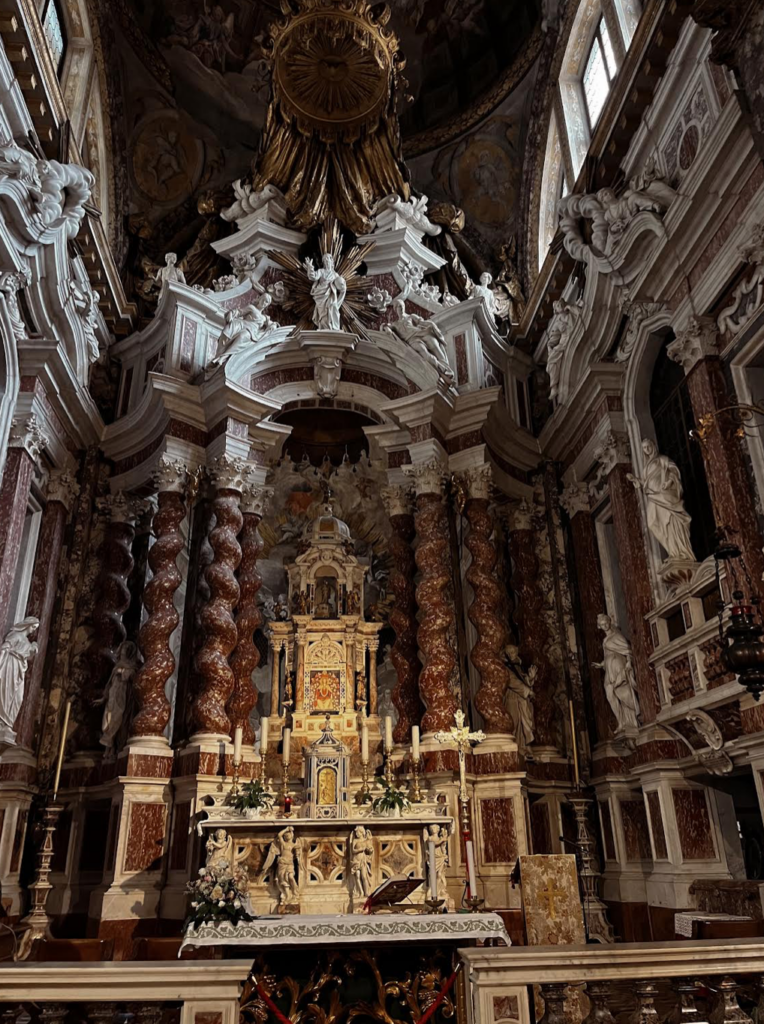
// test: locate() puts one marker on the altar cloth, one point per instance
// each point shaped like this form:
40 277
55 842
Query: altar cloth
320 929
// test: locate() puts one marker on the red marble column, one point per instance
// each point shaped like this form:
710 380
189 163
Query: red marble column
26 442
217 621
61 492
591 592
112 601
404 653
152 706
635 572
249 617
486 607
729 483
529 613
435 599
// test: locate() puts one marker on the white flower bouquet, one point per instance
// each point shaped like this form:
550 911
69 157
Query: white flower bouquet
216 896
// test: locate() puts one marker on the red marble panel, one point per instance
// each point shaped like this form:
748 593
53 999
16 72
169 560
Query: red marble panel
24 773
187 344
462 442
462 370
388 388
507 467
131 461
499 838
606 823
145 837
714 669
208 1018
680 679
187 432
694 824
180 837
397 459
18 840
635 831
752 719
541 833
656 820
14 496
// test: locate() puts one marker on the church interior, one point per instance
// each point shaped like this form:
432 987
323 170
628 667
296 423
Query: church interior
381 511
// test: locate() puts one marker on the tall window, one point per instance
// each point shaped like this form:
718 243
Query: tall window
671 411
599 73
55 34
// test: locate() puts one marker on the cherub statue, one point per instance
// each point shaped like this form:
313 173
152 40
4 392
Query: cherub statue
439 835
361 852
424 336
619 213
115 695
328 292
284 851
242 328
219 848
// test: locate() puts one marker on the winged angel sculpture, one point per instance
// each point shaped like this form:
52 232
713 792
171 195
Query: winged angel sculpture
332 296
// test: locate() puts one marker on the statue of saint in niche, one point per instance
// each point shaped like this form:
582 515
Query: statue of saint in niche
326 598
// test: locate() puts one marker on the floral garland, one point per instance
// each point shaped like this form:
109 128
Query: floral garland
216 896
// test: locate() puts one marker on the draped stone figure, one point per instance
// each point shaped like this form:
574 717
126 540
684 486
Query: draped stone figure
667 518
15 652
283 851
620 681
116 694
439 835
519 697
361 852
328 293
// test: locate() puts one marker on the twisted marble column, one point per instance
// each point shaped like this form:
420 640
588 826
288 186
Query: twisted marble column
153 708
485 610
218 626
534 634
434 597
249 617
404 653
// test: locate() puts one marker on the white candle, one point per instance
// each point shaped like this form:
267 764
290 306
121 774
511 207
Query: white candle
415 742
388 733
287 742
433 871
61 748
471 869
238 736
364 742
263 736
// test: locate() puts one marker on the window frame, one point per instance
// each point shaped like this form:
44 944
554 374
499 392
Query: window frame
61 19
598 39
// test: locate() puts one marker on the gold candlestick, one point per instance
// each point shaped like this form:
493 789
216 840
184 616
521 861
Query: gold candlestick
36 924
388 767
236 777
475 904
416 769
365 788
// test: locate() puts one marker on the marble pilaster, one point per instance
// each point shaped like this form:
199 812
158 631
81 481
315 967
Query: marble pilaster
14 496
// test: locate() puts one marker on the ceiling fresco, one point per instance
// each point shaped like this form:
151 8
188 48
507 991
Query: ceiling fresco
196 88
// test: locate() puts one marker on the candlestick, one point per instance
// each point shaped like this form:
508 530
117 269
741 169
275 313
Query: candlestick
364 743
36 924
263 736
61 748
414 742
285 788
238 737
287 737
433 870
471 879
576 777
416 792
388 733
365 794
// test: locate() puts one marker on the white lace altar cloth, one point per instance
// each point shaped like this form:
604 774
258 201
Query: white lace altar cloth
328 929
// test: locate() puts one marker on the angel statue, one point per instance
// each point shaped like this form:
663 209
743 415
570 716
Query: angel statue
328 293
284 851
424 336
219 848
620 681
518 697
484 291
439 836
243 327
15 652
115 695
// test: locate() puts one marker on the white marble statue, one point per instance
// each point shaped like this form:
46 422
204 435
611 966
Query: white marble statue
328 292
558 333
424 336
620 681
519 697
219 848
361 853
284 851
243 327
116 694
249 201
667 518
170 272
439 835
620 211
484 291
15 652
413 211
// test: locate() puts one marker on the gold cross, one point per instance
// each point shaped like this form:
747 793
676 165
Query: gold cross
463 739
549 895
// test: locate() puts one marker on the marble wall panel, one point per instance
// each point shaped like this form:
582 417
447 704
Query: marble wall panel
694 824
145 837
635 830
180 837
606 822
18 840
656 821
499 836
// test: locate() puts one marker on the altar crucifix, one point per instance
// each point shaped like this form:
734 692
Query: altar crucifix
459 735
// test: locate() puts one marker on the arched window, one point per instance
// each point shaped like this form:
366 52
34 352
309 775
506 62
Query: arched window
55 33
599 72
671 412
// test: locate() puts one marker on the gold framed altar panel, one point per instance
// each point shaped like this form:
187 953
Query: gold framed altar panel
325 677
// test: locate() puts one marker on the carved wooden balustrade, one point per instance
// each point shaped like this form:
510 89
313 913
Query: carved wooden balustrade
127 992
706 982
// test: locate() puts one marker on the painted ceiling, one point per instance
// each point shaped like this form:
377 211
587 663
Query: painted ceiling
195 89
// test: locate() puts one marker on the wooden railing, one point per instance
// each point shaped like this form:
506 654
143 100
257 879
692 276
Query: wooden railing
203 992
693 982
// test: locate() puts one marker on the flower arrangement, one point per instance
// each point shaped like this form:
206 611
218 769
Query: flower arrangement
216 896
392 801
252 796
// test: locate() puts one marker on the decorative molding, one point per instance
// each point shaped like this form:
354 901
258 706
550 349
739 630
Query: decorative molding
170 475
575 499
11 283
429 477
697 341
749 294
28 434
123 508
63 488
637 312
228 473
520 516
397 501
479 480
255 498
613 451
